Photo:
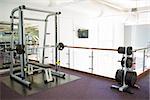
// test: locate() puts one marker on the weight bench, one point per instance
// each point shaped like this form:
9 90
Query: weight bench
46 68
33 67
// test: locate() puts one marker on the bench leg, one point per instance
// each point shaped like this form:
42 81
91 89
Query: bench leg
48 75
30 69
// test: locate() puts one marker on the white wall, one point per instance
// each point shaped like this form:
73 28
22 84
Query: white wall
106 30
138 35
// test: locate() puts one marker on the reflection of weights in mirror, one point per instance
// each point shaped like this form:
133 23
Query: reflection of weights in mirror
20 49
6 60
126 76
5 54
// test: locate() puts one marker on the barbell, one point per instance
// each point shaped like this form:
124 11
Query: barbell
20 49
120 50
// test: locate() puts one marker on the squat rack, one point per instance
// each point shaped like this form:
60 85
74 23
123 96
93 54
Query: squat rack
21 76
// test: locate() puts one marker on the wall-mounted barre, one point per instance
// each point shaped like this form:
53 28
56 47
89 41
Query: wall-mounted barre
106 49
142 49
91 48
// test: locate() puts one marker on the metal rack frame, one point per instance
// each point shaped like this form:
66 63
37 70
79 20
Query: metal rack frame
23 60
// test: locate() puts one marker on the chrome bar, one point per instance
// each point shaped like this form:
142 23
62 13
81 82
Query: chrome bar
56 13
38 10
143 60
14 10
12 40
22 42
142 49
27 83
44 42
31 19
68 57
92 61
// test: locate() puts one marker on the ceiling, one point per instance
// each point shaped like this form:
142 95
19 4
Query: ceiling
119 3
129 3
122 5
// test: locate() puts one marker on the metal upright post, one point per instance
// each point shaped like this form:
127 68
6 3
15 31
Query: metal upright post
53 55
124 74
12 40
68 58
92 61
27 48
43 53
45 33
56 50
12 46
22 42
92 56
143 60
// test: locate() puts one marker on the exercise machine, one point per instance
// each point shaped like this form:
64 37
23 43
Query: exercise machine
126 77
21 50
